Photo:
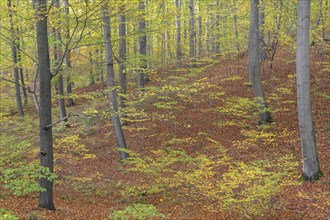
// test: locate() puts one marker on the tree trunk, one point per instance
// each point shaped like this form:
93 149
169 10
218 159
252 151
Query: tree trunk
217 30
142 46
67 60
21 74
178 33
192 33
261 29
254 62
111 85
311 167
45 111
91 72
14 57
200 32
60 85
122 57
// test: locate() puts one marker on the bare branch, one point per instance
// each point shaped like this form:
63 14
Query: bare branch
75 114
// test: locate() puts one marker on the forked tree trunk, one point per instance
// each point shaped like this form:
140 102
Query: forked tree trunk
311 167
45 110
254 63
14 57
111 85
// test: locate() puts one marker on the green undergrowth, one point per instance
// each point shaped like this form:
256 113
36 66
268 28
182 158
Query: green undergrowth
137 211
18 174
222 179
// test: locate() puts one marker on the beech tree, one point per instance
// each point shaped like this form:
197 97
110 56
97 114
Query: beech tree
14 58
311 166
178 32
122 56
142 45
45 109
192 32
67 60
60 83
111 85
254 62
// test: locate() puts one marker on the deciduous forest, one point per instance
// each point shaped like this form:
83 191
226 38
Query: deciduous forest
164 109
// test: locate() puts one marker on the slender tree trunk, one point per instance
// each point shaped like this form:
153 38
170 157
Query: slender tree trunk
217 30
261 29
200 32
236 29
142 46
311 167
67 60
21 74
111 85
102 73
178 33
236 36
60 85
14 57
254 62
192 33
122 58
276 36
45 111
91 66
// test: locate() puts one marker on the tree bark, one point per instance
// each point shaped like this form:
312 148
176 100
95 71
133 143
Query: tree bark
122 57
45 111
192 33
60 85
67 60
14 58
311 168
254 63
178 32
200 32
142 46
21 74
261 28
111 85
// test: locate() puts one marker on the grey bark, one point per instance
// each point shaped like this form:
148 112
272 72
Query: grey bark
254 62
122 57
45 110
311 168
142 46
261 28
20 68
200 33
192 32
178 32
276 36
91 66
216 42
67 60
111 85
60 85
14 58
236 30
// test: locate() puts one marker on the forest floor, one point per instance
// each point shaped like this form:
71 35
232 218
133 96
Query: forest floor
198 150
